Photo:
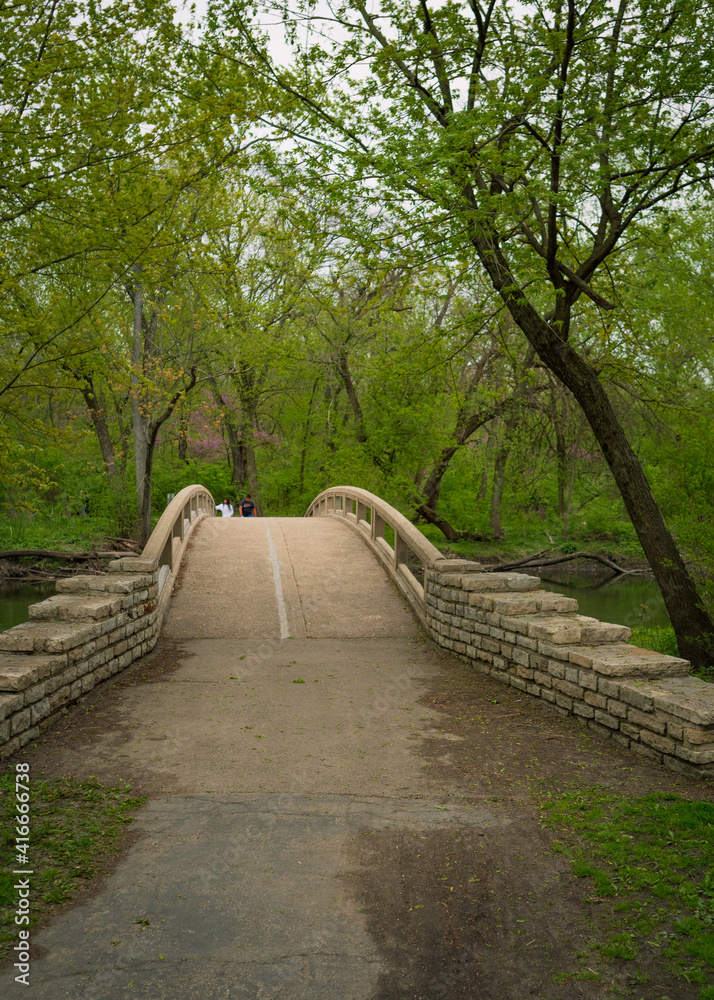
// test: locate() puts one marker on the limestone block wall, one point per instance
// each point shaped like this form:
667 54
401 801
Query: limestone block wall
91 629
536 641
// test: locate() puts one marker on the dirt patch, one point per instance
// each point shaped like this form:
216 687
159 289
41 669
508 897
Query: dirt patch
493 916
99 714
497 914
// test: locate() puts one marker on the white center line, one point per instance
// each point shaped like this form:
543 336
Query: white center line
282 613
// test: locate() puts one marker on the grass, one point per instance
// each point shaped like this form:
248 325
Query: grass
660 639
652 860
75 827
69 534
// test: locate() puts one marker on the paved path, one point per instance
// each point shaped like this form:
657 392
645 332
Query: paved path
336 811
288 730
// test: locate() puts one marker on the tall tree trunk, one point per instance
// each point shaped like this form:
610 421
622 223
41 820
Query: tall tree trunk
488 451
97 412
236 443
499 479
344 369
251 465
502 455
569 504
183 436
306 437
144 511
558 418
692 624
139 419
239 462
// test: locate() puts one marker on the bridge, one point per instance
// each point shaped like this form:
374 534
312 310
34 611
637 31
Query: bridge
316 825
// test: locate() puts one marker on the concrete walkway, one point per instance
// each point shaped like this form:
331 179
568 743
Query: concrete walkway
336 810
287 733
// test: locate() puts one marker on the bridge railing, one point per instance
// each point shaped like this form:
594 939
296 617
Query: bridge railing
400 546
164 549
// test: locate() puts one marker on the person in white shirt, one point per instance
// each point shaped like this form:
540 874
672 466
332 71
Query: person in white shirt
225 508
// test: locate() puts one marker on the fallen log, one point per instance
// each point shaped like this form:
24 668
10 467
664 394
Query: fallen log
521 562
49 554
124 543
534 561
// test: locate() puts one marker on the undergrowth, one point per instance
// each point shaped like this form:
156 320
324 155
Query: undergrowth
652 860
69 534
75 827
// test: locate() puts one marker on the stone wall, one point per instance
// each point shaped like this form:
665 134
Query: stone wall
92 628
534 640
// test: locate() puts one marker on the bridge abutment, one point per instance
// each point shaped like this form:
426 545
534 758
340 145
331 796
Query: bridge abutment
535 641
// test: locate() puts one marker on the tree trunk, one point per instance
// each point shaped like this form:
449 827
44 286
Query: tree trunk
499 468
344 369
183 437
571 485
144 511
569 505
488 451
97 411
239 472
139 420
306 438
692 625
251 467
558 419
499 478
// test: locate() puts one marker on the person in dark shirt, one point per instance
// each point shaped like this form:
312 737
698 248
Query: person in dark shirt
247 507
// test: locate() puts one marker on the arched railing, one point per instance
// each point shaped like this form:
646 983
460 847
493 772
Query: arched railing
400 546
165 548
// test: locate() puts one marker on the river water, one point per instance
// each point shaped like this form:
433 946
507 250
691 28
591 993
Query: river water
15 598
623 600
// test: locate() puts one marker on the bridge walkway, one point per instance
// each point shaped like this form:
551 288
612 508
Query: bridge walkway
308 834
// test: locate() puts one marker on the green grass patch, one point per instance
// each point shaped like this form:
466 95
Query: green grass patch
65 534
75 827
653 858
660 639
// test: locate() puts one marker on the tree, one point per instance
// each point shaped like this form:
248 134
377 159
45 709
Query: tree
252 283
111 122
536 135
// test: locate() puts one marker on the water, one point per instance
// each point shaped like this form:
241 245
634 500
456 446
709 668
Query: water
621 600
15 598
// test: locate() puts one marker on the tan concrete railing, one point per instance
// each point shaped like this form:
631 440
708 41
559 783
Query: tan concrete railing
372 517
164 549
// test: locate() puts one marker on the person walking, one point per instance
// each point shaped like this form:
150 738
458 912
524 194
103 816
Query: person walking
247 507
225 508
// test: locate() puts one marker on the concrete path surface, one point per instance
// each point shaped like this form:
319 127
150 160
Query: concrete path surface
336 811
287 731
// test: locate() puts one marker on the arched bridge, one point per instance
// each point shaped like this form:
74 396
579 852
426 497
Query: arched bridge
321 577
334 808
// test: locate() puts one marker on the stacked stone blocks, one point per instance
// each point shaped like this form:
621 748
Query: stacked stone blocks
536 641
92 628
